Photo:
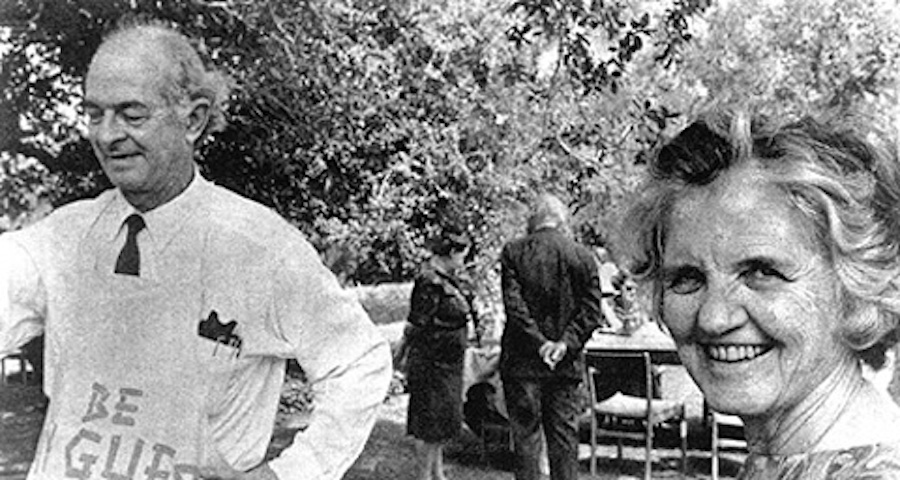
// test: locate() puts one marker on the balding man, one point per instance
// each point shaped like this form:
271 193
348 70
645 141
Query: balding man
551 297
169 304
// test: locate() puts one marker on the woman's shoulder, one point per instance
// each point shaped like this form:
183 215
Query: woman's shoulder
871 418
878 461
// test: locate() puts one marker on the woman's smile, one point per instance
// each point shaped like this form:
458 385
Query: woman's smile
754 309
733 353
772 250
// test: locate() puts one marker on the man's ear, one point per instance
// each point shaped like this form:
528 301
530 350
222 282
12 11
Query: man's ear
197 118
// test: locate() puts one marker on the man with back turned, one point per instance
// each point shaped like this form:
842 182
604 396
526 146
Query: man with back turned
551 295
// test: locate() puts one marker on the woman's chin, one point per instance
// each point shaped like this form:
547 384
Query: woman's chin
733 400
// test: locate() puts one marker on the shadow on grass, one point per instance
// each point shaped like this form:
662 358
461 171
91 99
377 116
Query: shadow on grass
21 419
389 454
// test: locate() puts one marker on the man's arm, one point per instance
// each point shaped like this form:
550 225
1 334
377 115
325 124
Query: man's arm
345 358
588 310
22 296
514 305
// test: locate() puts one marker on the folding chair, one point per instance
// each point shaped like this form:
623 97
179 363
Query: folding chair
633 415
726 431
12 358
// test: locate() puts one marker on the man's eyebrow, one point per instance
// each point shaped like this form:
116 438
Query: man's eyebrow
117 107
132 104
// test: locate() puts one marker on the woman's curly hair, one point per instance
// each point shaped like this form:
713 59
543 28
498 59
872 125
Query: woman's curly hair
840 173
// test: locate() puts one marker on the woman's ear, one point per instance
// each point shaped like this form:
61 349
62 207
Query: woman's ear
197 118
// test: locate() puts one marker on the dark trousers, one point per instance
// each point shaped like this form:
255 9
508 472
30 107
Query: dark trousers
551 405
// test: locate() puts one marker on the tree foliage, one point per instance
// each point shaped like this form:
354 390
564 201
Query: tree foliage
371 123
802 56
49 44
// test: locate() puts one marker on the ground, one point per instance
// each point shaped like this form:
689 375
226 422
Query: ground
389 452
389 455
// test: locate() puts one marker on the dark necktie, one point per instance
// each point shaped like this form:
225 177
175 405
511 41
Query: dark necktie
129 262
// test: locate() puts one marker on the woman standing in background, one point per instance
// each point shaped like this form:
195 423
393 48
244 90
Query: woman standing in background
436 332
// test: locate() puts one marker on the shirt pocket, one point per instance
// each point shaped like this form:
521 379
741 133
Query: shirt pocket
220 353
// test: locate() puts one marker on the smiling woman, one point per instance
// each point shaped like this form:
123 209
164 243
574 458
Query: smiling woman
773 254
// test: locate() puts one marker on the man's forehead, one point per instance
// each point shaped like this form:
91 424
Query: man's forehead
130 47
121 68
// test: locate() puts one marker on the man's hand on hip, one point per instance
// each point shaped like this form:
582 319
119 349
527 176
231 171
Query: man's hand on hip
262 472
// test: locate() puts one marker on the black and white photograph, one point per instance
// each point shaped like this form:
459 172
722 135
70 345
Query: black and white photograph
449 239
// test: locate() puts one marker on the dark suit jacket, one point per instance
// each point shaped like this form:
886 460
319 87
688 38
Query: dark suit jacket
551 291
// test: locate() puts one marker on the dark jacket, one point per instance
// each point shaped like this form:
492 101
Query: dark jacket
439 311
551 292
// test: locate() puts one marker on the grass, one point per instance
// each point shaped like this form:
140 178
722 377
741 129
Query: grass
389 453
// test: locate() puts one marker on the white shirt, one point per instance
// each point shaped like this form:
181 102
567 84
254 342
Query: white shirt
208 250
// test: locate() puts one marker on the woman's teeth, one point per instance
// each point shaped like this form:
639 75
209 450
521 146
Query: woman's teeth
735 353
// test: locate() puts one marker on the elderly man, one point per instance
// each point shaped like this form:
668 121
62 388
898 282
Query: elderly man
551 297
170 304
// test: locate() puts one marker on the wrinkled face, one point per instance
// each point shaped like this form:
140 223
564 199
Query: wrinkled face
142 144
751 301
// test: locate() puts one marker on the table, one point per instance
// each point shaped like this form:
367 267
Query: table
648 338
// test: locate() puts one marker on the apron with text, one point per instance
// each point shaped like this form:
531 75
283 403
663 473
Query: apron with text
127 376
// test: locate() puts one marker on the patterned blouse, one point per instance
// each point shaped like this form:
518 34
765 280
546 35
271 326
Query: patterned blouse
869 462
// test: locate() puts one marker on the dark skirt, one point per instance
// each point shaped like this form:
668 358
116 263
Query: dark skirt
434 381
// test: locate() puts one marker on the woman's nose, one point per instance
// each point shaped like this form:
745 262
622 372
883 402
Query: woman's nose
720 311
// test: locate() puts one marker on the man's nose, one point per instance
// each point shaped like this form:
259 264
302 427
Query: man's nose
721 310
107 131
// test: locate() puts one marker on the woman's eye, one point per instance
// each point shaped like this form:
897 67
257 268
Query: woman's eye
685 281
761 274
